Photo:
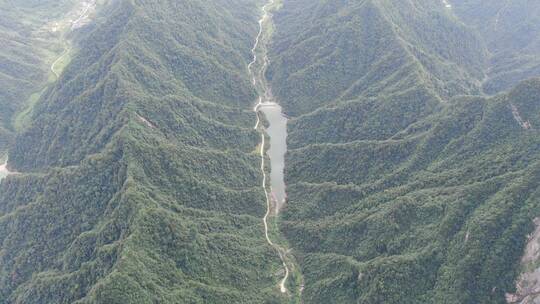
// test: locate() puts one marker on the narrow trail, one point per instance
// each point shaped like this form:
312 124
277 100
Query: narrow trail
74 25
257 68
66 51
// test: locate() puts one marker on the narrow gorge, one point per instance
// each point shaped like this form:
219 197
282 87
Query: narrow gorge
272 125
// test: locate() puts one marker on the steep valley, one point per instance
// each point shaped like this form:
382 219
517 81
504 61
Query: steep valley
138 182
395 156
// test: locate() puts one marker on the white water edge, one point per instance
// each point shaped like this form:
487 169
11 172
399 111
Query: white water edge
277 131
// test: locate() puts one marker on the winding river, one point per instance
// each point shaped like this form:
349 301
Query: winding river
277 133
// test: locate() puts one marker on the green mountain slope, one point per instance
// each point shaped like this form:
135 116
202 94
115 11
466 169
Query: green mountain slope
400 190
511 31
369 48
444 206
140 181
136 173
27 47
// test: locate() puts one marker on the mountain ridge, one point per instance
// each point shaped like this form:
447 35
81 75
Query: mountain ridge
119 172
412 167
387 180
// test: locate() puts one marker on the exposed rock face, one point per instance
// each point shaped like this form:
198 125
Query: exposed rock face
528 284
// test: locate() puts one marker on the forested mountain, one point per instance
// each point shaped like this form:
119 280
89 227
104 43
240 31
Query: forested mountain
510 30
403 186
27 43
138 175
412 171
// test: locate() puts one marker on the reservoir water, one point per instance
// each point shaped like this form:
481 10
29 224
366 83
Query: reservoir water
277 131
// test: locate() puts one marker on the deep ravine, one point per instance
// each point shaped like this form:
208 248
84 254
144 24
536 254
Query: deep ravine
276 132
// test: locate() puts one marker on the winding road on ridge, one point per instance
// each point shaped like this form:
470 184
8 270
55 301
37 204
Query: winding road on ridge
277 131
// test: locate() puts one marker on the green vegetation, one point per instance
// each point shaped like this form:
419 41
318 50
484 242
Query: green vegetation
139 178
509 30
27 47
400 190
23 118
445 207
140 184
